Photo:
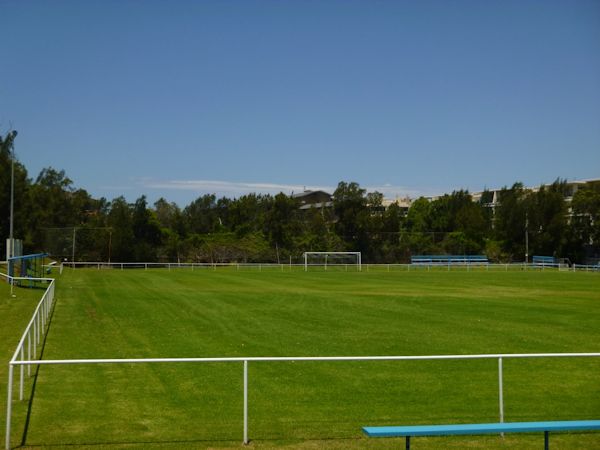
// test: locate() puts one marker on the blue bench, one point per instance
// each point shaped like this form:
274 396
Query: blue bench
448 259
544 261
482 428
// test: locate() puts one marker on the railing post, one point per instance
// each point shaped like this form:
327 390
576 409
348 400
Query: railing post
246 402
29 352
9 405
21 374
500 391
34 337
42 318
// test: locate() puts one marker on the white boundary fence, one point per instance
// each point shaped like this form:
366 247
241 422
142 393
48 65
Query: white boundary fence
246 360
464 266
30 339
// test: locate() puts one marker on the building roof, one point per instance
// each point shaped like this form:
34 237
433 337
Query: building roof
309 193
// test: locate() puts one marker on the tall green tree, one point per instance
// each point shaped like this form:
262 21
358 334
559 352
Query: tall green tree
123 239
353 216
418 235
584 227
511 223
173 228
547 215
202 215
317 232
254 227
50 204
146 231
282 223
247 214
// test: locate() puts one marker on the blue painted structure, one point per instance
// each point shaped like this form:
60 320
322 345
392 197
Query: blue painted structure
544 261
448 259
482 428
26 266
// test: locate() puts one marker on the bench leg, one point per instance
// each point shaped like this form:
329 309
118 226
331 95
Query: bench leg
407 442
546 439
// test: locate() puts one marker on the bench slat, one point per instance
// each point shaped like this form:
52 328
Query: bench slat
482 428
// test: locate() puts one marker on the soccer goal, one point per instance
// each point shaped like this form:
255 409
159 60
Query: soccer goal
335 260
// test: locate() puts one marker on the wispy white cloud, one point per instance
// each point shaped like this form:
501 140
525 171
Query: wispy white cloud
228 187
118 188
220 187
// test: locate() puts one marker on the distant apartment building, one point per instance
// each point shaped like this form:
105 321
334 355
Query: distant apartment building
313 199
491 197
403 203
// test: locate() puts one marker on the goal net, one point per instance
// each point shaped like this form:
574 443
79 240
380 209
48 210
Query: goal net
333 261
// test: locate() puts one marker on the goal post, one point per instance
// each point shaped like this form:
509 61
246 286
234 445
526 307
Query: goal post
328 259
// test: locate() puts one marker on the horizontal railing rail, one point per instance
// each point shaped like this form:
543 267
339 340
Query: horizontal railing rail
586 267
95 264
431 266
300 358
256 359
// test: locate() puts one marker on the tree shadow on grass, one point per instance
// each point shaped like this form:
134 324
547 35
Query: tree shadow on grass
195 443
35 378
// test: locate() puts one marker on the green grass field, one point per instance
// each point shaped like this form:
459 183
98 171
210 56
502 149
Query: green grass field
202 313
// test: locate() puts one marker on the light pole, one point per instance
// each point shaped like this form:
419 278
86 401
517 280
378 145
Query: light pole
74 237
11 250
109 243
526 238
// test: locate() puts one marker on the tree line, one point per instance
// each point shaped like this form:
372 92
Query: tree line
54 216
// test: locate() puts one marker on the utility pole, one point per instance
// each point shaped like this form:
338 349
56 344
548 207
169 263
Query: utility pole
526 238
11 245
109 243
74 236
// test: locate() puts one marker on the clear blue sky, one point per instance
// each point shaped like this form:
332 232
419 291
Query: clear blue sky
178 99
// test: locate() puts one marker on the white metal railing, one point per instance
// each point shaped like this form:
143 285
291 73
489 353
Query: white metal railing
586 268
246 360
31 336
283 267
